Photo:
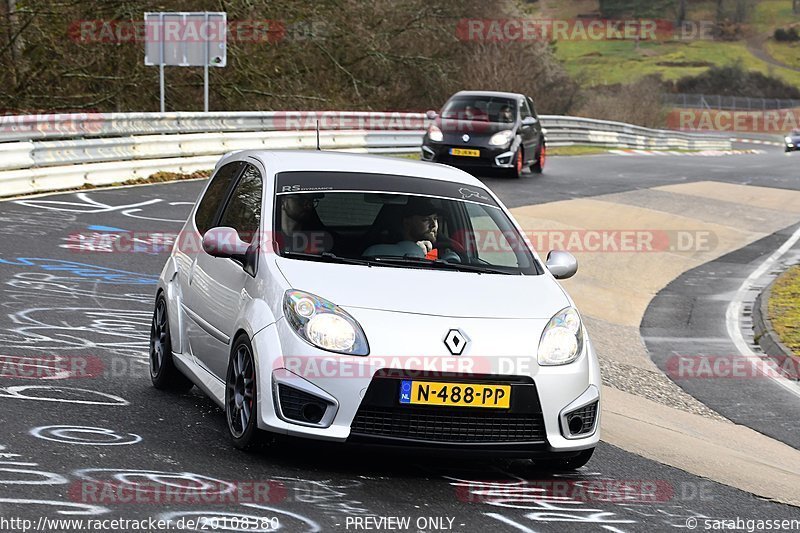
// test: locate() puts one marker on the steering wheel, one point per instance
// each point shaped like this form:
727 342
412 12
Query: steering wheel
456 247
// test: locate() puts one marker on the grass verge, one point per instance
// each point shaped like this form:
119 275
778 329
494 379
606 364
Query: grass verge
577 149
610 62
784 308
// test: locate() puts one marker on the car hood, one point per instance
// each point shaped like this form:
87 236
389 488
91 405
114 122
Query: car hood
426 291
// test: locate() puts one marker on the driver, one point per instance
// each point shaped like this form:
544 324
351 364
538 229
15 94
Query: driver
420 225
419 228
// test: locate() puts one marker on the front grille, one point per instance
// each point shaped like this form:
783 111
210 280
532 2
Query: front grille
448 426
483 161
588 413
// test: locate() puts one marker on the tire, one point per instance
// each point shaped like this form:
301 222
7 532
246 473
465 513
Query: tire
519 165
541 159
568 463
163 372
241 396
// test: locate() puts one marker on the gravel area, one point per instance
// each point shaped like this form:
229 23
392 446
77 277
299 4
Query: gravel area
654 386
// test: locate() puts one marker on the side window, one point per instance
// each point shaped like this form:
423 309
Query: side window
524 112
214 196
530 103
491 242
243 212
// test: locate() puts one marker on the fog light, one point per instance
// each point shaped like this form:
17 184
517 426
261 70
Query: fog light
504 160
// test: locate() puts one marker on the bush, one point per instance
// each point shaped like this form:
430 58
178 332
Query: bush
734 80
786 36
637 103
529 68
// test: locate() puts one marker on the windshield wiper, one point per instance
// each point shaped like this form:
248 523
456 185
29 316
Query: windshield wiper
329 257
441 263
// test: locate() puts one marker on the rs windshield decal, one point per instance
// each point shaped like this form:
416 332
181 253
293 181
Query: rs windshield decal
305 182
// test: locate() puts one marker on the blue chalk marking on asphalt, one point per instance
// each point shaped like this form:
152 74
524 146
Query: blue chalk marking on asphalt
94 273
107 229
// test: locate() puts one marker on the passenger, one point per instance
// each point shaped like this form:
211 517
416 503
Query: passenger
470 112
301 229
473 113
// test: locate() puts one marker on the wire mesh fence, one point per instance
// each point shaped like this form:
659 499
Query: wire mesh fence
738 103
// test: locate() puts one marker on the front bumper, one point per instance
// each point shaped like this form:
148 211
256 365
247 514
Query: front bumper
381 419
500 157
360 395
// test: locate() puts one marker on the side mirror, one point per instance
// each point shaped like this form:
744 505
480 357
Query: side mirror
529 121
225 242
562 265
430 114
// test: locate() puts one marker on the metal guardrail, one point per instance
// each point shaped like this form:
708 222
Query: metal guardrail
56 152
86 125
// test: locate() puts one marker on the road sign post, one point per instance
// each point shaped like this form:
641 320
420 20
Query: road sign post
185 40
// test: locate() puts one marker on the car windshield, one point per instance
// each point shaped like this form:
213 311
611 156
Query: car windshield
396 221
481 108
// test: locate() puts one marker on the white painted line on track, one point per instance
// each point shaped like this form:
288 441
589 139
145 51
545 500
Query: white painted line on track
734 311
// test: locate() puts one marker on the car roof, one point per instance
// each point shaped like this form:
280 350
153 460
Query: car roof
326 161
496 94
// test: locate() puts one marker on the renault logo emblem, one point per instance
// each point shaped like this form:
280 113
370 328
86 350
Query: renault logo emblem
456 341
465 138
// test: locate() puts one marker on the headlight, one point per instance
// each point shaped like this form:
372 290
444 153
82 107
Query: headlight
501 138
323 324
435 134
562 340
788 140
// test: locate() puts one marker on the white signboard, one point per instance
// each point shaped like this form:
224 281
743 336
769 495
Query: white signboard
185 39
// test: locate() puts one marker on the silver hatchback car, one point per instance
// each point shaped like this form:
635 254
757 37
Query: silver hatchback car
355 298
